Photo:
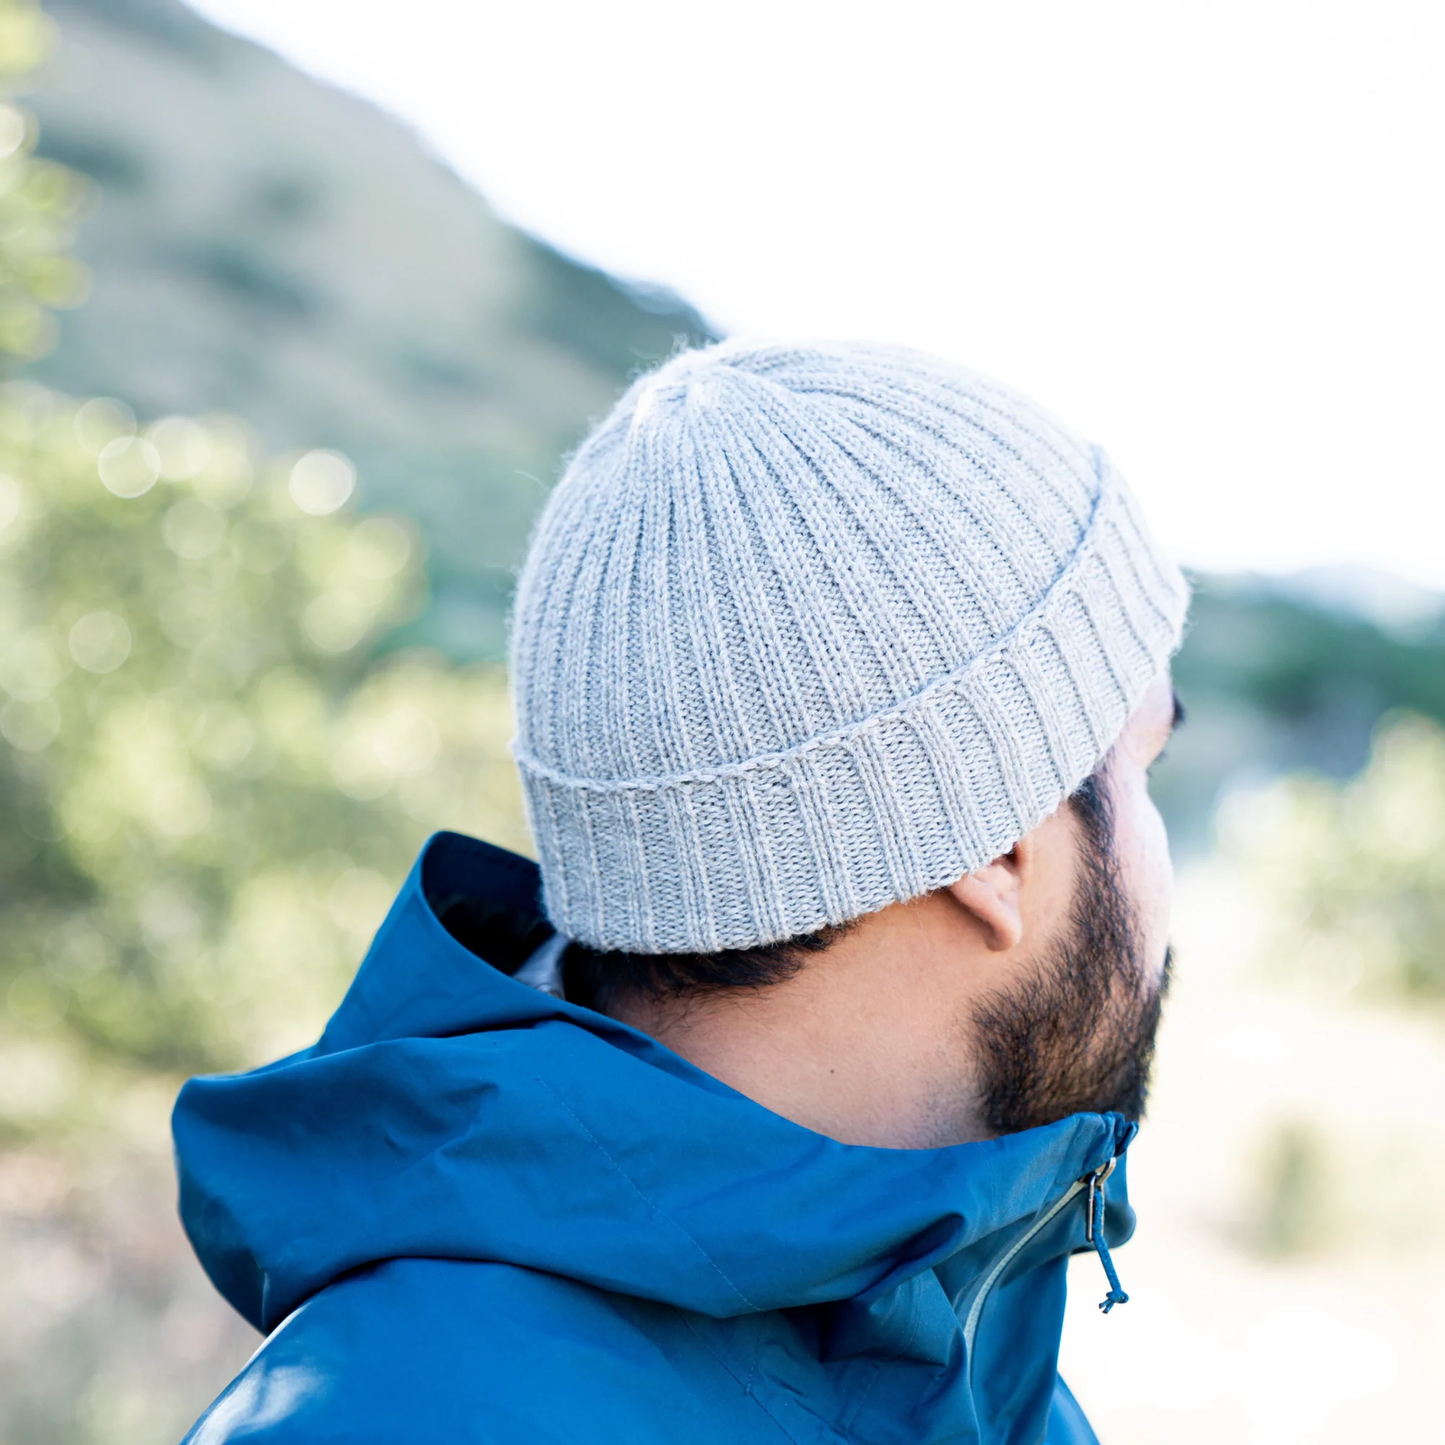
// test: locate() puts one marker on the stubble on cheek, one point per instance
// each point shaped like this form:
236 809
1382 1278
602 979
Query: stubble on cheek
1076 1033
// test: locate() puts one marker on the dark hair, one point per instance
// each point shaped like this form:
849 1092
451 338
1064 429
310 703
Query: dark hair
596 977
1090 805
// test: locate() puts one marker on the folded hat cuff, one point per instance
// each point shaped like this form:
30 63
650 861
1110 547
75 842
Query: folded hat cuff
886 807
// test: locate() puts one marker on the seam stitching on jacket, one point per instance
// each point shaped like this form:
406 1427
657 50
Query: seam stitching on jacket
732 1374
757 1348
656 1209
846 1423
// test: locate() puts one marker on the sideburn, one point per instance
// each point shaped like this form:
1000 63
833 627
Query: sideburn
1077 1035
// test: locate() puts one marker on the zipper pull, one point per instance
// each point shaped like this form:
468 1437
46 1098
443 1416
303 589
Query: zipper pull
1094 1234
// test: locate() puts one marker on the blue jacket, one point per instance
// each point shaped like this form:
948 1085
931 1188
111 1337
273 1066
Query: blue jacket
476 1213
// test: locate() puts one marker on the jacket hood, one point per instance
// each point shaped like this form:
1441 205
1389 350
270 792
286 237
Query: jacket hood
450 1111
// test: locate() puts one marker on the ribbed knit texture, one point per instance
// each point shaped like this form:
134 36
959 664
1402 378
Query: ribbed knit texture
807 630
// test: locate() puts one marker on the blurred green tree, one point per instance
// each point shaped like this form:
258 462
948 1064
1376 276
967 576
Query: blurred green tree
211 778
40 202
216 782
1354 873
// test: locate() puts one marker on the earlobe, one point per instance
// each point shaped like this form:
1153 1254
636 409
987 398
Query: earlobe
991 896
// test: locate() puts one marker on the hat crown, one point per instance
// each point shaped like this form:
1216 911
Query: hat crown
771 560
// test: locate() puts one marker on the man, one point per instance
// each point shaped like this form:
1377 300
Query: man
771 1108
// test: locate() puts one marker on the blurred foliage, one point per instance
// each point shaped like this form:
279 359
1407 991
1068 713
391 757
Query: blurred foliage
1252 643
211 782
217 786
1354 873
1275 682
40 201
271 246
1291 1213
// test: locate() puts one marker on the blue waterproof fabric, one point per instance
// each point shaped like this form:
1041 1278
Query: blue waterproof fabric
475 1213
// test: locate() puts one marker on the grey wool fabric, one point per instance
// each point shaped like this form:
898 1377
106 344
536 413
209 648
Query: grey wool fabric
808 629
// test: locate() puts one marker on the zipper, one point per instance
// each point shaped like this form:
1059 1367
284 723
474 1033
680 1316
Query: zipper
1094 1183
970 1325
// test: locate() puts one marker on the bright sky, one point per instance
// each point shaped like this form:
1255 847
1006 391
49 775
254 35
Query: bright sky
1209 235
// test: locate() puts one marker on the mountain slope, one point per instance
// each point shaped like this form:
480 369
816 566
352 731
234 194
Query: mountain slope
267 245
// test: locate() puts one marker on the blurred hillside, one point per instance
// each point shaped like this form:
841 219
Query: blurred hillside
1288 675
268 246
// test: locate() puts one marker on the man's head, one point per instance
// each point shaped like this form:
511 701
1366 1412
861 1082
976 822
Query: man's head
812 645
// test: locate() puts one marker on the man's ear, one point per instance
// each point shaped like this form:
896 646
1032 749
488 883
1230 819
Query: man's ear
991 896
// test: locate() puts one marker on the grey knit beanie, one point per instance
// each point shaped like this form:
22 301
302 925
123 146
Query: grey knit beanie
808 630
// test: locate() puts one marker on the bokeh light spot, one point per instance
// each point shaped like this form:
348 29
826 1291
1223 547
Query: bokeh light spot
226 478
102 421
322 482
30 726
184 447
30 669
100 642
13 130
129 466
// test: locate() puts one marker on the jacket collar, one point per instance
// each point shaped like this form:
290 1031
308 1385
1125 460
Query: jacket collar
450 1111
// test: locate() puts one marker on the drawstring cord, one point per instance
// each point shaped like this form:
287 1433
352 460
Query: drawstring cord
1094 1234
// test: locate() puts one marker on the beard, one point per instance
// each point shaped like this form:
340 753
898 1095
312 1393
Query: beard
1076 1035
